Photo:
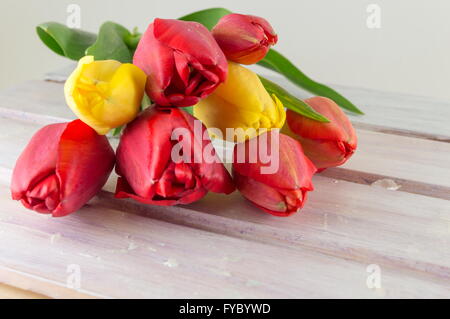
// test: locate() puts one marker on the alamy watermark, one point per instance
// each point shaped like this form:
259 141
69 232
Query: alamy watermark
73 20
373 20
194 147
74 278
374 279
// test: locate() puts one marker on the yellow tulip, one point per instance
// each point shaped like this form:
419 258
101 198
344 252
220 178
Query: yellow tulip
241 102
105 94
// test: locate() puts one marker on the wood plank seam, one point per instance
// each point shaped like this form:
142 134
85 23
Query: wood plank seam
22 116
409 186
400 132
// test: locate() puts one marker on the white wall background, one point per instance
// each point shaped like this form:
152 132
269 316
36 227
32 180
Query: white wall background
327 39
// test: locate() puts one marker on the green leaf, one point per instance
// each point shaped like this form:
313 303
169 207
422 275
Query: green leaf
146 102
110 44
189 109
133 39
277 62
291 102
207 17
118 130
70 43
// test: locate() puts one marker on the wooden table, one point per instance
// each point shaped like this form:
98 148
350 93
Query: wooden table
378 227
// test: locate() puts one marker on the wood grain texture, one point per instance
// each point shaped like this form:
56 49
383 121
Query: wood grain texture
392 229
35 101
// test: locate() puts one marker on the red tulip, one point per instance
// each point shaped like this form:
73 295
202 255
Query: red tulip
62 168
325 144
182 61
147 168
282 192
243 38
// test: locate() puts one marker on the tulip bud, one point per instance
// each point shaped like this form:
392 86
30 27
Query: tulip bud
241 103
63 166
325 144
105 94
243 38
148 171
182 61
280 193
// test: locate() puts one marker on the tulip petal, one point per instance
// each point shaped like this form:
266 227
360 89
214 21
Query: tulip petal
37 161
182 61
241 102
44 197
215 177
105 94
192 37
295 170
326 153
157 61
326 144
266 27
274 201
124 190
63 166
85 160
184 175
148 141
181 64
260 194
338 129
244 39
281 192
147 171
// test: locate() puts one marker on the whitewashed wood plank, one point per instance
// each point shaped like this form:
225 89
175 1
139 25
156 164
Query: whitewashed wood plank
343 219
124 255
15 136
400 112
60 75
35 101
353 221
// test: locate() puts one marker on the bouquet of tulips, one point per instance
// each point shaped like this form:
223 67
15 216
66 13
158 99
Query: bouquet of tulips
168 92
